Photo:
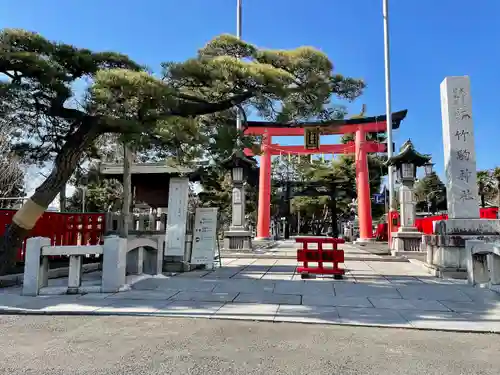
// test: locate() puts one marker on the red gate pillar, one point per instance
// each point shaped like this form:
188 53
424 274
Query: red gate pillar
264 210
363 187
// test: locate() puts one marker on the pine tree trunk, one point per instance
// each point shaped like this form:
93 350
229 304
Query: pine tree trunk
27 216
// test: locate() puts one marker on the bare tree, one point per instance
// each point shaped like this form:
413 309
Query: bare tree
11 174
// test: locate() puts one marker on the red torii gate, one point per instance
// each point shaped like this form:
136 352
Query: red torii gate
360 148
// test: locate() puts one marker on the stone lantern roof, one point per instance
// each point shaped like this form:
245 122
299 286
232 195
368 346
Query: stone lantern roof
408 154
239 159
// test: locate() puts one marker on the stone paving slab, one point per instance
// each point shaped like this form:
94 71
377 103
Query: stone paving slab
405 304
331 300
269 298
433 292
162 295
204 297
366 290
452 321
372 293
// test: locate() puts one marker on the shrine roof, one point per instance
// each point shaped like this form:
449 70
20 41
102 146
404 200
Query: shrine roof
143 168
408 154
397 117
239 159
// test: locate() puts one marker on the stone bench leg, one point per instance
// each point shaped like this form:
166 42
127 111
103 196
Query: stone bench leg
114 264
75 273
135 261
36 267
494 268
477 264
153 259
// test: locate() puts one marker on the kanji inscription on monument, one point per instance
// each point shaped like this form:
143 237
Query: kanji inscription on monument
459 148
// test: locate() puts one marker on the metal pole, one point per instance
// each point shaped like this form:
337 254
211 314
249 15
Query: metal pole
388 112
238 35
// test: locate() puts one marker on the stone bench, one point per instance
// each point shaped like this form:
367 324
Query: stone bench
146 255
483 262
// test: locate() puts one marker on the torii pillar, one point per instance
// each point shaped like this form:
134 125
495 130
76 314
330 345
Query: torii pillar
363 188
264 210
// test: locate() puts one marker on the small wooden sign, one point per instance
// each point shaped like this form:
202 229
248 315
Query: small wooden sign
311 139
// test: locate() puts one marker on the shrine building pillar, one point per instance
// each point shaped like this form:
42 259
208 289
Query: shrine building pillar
363 188
264 208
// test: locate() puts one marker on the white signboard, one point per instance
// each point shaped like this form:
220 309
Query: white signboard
204 236
459 148
175 240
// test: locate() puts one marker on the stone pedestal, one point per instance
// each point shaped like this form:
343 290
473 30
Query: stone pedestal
407 240
446 254
407 243
238 238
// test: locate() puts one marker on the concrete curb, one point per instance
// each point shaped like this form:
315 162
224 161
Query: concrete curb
20 311
55 273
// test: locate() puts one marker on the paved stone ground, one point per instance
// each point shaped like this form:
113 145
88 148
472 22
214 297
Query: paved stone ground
374 292
47 345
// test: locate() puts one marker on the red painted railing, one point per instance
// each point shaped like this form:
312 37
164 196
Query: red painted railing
62 228
425 225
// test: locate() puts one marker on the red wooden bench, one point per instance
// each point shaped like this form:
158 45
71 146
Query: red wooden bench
320 256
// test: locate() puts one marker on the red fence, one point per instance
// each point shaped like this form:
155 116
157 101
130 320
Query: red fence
425 225
320 256
62 228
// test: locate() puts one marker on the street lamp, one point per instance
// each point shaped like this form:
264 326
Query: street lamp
428 168
237 174
238 237
406 163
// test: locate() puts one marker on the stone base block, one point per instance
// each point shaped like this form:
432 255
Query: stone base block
406 241
177 267
365 241
240 240
447 253
468 227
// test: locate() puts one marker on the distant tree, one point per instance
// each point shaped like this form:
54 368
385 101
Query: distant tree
487 181
431 193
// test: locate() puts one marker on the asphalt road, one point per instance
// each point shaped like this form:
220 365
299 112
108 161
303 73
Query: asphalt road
155 345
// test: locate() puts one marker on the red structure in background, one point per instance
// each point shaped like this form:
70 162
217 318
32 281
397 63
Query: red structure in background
89 228
360 148
320 256
62 228
424 225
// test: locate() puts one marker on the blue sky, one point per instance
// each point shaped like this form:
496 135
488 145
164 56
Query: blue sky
430 39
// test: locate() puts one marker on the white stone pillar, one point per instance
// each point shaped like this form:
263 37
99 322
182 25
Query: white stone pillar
175 236
459 148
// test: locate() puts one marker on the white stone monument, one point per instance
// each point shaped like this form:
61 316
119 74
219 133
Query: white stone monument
446 252
459 149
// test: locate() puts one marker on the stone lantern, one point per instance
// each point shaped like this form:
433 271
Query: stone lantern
406 162
238 237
